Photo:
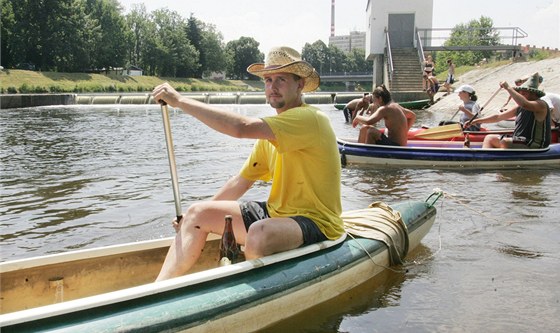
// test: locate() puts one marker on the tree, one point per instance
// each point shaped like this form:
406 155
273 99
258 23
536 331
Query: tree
476 33
138 24
110 44
214 50
194 34
173 54
209 44
338 60
240 54
357 61
317 54
7 38
330 59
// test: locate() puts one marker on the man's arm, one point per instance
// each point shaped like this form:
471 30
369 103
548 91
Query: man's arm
538 107
371 119
234 188
229 123
494 118
410 117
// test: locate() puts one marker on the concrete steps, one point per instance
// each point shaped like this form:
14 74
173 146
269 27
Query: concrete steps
407 74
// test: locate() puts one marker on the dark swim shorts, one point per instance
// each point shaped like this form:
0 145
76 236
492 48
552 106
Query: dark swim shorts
384 140
253 211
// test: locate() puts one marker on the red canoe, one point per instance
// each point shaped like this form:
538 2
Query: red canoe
473 136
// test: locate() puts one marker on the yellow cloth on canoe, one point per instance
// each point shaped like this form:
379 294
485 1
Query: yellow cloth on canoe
380 222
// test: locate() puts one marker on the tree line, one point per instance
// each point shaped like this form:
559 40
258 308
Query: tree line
90 35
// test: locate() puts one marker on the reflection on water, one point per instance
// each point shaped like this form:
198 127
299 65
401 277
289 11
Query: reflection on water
517 251
89 176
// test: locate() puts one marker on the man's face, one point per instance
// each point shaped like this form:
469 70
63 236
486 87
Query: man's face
528 95
283 90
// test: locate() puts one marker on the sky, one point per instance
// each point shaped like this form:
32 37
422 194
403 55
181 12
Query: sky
296 22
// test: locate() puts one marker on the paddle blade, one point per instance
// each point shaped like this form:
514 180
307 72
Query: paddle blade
441 132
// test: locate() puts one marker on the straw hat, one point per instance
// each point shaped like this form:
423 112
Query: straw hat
287 60
532 85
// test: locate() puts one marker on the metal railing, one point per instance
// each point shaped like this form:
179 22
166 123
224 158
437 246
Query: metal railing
508 37
420 49
389 56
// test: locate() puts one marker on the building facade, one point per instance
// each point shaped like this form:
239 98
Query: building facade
347 43
400 19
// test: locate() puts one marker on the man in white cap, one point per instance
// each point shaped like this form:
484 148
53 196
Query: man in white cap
553 101
532 118
296 150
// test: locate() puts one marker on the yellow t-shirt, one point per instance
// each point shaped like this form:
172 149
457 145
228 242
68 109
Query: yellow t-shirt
304 165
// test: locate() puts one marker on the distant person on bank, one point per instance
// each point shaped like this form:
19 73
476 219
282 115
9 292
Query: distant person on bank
450 76
532 118
432 86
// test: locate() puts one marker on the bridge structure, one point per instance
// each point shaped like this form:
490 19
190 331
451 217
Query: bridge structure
349 78
508 39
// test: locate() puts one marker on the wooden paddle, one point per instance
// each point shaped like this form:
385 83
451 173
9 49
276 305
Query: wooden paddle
441 132
171 158
452 130
491 98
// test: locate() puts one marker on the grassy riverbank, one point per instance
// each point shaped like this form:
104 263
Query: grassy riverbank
24 82
14 81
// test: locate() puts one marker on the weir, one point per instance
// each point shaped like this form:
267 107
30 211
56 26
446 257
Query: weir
9 101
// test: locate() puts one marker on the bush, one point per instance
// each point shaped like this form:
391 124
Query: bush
537 55
56 89
27 89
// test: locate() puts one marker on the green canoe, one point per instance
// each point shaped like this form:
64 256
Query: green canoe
413 105
110 289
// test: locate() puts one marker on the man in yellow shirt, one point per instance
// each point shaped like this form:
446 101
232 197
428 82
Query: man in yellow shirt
295 149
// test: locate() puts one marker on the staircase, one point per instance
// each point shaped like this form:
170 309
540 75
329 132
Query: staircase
407 75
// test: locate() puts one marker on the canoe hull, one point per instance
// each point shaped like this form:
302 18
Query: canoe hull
446 154
242 297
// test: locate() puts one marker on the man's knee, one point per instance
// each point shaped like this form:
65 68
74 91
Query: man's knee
257 240
195 210
491 141
373 135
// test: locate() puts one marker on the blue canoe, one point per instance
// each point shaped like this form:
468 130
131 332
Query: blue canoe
109 289
428 153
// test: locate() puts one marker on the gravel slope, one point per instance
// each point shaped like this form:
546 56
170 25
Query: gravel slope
485 81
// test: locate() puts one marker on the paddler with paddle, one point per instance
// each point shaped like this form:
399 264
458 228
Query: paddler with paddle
296 150
532 118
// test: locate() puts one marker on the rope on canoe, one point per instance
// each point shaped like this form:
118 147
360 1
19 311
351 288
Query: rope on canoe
371 257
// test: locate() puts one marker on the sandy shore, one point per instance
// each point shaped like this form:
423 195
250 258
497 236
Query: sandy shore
485 81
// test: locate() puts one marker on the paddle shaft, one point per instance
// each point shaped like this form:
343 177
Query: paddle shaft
455 114
490 99
171 158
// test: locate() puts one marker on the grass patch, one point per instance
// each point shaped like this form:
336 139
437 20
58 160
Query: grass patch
22 81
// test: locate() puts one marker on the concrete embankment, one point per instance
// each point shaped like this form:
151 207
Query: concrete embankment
486 81
33 100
